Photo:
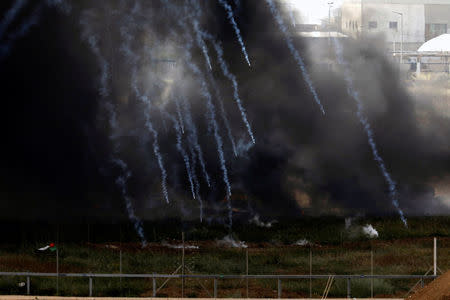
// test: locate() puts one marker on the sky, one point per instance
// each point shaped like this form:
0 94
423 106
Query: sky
312 11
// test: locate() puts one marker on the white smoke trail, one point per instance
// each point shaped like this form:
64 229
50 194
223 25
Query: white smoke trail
232 78
295 53
367 128
148 123
179 145
121 181
11 15
125 48
223 113
212 119
193 137
201 43
179 115
235 26
194 176
104 92
24 28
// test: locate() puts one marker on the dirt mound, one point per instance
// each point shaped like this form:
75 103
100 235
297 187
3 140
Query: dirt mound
438 289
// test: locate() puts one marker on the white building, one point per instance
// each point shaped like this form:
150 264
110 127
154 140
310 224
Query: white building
422 20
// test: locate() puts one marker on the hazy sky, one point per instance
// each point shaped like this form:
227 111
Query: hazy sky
313 10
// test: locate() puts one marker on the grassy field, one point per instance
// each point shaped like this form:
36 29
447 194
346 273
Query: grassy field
334 250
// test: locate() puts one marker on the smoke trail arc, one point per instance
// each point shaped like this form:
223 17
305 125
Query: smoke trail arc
24 28
233 80
295 53
212 119
121 181
393 194
223 113
149 124
179 145
193 138
125 48
104 93
230 16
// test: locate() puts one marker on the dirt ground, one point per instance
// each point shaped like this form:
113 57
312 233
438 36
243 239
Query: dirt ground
87 298
438 289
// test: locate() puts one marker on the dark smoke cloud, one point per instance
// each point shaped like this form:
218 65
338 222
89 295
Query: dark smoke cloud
57 150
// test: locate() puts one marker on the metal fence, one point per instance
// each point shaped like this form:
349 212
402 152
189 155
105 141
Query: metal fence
215 278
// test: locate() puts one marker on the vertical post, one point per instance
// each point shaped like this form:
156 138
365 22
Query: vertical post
371 273
349 289
120 266
279 288
401 46
90 286
182 268
154 287
88 248
434 256
57 269
310 272
215 288
246 267
28 285
120 257
418 66
421 282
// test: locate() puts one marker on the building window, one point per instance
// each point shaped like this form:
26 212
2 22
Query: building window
393 25
373 24
434 30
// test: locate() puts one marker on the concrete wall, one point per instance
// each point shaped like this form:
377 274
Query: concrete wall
413 21
436 14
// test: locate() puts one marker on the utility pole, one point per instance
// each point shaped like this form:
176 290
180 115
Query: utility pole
330 5
401 42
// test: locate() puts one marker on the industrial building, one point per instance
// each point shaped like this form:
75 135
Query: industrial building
413 21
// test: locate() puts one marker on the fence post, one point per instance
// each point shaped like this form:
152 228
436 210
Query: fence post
434 256
182 268
90 286
154 287
215 287
279 288
28 285
349 289
421 282
246 268
310 271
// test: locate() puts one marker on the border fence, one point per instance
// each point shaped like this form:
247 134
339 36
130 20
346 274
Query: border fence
215 278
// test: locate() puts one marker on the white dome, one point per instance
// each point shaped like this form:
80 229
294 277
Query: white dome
438 44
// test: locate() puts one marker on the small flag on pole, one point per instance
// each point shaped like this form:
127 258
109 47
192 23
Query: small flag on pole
50 247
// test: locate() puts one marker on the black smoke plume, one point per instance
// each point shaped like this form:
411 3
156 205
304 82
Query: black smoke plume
56 150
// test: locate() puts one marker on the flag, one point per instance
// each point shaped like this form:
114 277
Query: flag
50 247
